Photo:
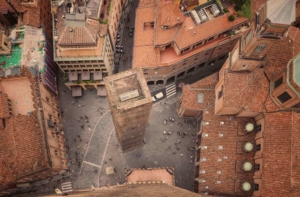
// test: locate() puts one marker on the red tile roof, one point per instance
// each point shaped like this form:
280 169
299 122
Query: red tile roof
21 148
224 155
4 110
205 86
31 15
281 165
257 5
245 90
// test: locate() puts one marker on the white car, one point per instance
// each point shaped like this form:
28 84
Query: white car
157 96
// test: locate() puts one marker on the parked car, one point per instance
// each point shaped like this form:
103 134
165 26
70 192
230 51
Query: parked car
157 96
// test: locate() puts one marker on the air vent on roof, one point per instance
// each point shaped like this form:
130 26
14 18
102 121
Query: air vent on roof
129 95
202 15
246 186
71 30
196 17
214 10
249 127
248 146
246 166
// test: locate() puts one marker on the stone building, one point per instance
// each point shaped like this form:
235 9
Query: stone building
130 103
82 47
170 44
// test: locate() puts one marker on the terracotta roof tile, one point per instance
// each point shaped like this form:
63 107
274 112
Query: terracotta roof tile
281 167
248 90
144 37
275 62
257 4
146 3
224 155
146 56
205 86
4 109
170 15
21 148
31 15
81 35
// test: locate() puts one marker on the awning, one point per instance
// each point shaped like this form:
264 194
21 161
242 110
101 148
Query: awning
101 91
98 75
73 76
76 91
85 75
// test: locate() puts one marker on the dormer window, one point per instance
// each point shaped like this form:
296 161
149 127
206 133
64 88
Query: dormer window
284 97
278 82
260 48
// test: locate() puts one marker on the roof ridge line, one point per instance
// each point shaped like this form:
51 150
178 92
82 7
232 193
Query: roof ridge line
89 33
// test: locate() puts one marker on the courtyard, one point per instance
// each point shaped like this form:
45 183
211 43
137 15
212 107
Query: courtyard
93 145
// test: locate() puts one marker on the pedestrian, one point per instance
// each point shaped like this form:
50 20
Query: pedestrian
78 120
78 136
73 103
82 126
74 140
110 158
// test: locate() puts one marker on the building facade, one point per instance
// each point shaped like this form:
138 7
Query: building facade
116 12
130 103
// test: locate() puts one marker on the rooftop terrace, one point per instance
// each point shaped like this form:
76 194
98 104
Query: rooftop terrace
13 59
19 92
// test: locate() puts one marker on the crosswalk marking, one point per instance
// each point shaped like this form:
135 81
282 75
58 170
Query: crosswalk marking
66 187
170 90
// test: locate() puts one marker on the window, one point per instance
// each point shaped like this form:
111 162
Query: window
248 37
278 82
260 48
256 187
47 99
257 147
149 25
220 94
256 167
201 65
258 128
284 97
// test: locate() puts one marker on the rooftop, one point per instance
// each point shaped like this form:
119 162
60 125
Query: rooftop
222 155
281 11
85 34
250 93
150 175
281 147
21 150
31 15
13 59
128 88
206 87
19 92
153 30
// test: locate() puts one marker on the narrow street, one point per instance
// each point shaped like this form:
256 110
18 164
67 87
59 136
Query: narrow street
123 60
